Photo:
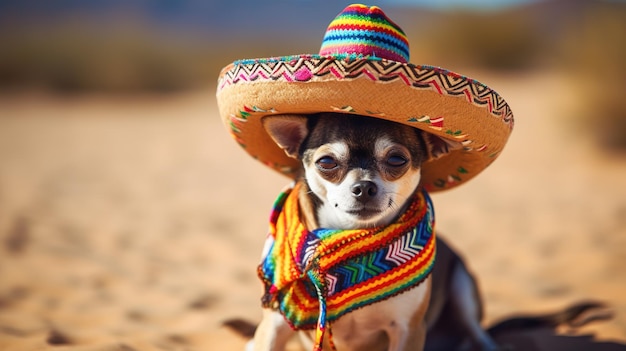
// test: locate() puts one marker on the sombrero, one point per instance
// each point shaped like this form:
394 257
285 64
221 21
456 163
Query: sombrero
363 69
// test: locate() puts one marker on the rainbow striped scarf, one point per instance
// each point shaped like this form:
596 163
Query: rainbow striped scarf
315 277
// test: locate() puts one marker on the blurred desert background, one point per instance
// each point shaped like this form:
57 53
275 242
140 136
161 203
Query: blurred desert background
130 221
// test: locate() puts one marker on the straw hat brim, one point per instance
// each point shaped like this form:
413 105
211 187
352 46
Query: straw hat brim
432 99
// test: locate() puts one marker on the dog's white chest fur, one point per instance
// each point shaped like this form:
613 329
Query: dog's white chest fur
373 326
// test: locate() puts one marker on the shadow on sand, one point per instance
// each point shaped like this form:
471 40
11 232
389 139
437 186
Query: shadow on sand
546 339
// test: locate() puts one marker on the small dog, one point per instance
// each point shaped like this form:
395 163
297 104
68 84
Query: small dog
360 172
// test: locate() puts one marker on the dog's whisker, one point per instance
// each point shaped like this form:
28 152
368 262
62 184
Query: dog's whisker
394 205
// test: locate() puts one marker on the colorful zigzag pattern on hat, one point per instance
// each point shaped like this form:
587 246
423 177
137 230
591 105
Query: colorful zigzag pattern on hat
365 31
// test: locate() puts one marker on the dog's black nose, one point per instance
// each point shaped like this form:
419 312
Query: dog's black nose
364 190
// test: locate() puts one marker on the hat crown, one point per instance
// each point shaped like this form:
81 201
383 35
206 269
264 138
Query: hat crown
365 31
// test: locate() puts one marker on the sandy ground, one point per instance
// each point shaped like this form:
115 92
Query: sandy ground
136 223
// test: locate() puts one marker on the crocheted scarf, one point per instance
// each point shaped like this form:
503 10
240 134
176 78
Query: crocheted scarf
315 277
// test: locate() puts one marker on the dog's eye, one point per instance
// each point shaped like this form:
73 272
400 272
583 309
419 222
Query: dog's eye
396 161
326 163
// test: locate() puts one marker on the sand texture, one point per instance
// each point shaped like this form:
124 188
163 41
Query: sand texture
137 223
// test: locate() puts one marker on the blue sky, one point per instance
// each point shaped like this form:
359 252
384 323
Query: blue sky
486 4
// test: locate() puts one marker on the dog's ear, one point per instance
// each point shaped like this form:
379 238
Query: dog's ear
437 146
288 131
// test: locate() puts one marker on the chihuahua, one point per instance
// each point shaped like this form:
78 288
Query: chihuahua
360 172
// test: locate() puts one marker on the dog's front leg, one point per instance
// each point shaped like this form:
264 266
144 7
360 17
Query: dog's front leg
272 333
465 300
408 332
